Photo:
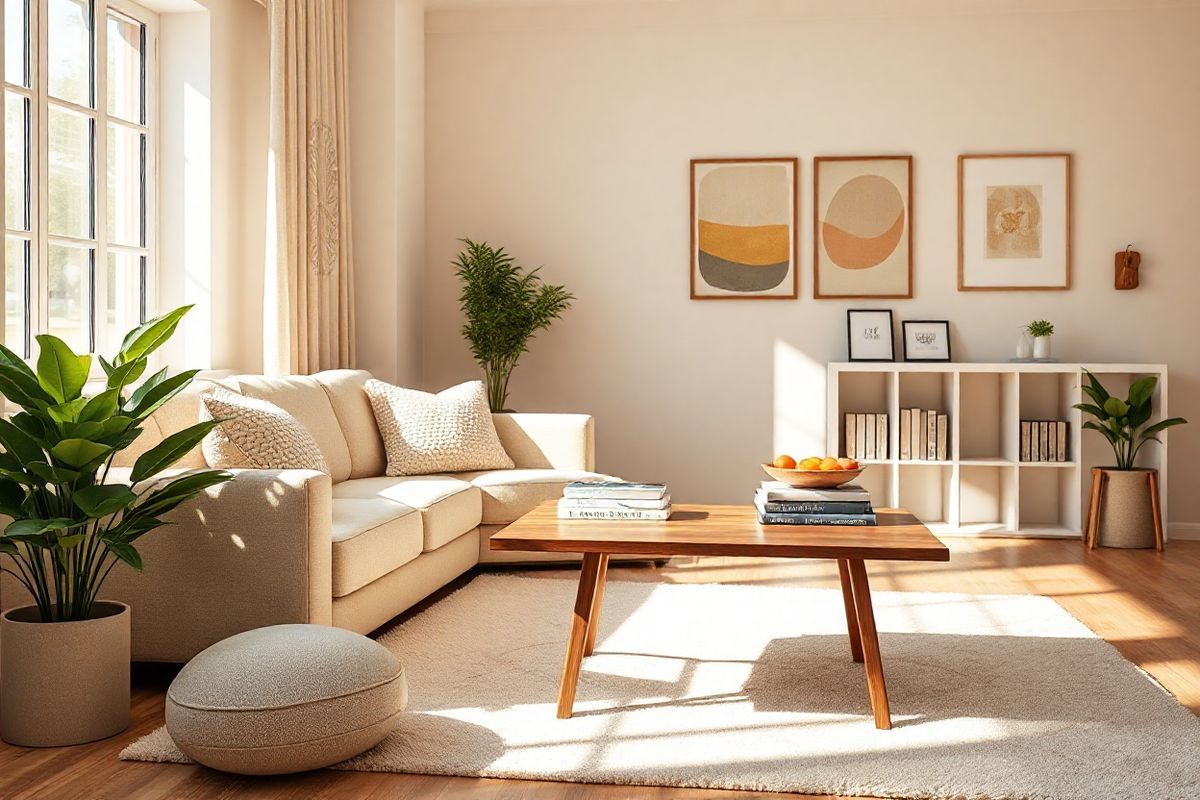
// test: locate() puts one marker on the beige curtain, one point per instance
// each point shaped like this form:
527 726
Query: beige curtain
308 319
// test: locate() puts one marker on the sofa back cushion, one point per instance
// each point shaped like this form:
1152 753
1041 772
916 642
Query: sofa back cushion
256 434
353 410
306 400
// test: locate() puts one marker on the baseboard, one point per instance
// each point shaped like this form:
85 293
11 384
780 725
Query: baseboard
1183 530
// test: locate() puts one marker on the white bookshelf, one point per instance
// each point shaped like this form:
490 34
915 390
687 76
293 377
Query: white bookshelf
983 488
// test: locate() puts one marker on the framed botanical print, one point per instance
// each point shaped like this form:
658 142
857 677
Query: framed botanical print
926 339
869 335
862 226
1014 221
743 228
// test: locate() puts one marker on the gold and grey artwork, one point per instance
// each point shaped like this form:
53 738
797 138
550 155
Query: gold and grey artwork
745 232
1014 222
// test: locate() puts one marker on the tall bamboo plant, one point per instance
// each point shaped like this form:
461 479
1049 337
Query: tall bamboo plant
1123 422
505 305
70 527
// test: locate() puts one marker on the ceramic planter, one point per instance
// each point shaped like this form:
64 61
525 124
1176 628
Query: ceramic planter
1126 513
1041 347
64 682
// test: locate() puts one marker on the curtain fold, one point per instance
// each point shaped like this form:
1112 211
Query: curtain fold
308 314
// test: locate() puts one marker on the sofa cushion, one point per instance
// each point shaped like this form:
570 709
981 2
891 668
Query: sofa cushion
306 400
353 410
256 434
425 433
181 411
370 539
449 507
508 494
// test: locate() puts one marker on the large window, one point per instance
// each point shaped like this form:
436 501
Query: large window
78 170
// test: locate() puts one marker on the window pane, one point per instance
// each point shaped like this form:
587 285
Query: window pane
16 162
69 29
68 277
16 53
125 68
16 258
123 309
125 169
70 167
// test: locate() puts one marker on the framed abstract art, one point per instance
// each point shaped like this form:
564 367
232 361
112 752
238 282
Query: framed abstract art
743 228
862 227
1014 221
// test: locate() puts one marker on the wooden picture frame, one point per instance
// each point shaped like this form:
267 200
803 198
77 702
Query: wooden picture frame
847 280
904 331
850 337
973 271
747 279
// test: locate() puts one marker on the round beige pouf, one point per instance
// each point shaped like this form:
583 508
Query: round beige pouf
287 698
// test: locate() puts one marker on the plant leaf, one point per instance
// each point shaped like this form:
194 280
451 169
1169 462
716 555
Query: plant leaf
21 389
11 497
51 474
1141 390
1094 410
60 371
1115 407
140 407
126 552
79 452
19 443
172 494
1163 425
170 450
33 527
68 411
150 335
1101 394
102 500
127 373
100 407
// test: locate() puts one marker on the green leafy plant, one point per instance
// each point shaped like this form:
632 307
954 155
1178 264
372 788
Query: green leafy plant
1123 422
70 527
505 305
1039 328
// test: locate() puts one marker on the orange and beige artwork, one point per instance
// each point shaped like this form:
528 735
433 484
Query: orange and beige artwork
863 244
743 228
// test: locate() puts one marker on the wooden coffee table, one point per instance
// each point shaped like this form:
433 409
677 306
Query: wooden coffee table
703 530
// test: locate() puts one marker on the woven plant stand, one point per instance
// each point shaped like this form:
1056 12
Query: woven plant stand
1123 509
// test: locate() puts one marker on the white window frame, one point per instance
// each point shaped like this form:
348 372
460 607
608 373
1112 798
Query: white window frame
37 306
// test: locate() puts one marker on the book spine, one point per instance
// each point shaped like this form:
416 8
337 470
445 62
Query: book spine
851 436
1051 442
817 519
598 502
1034 451
612 494
612 513
922 434
905 434
915 444
931 434
1044 441
798 507
1062 440
860 433
881 436
870 448
943 437
1025 440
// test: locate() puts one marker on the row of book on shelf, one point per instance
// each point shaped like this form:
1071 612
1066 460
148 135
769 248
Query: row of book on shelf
614 500
1043 440
780 504
924 435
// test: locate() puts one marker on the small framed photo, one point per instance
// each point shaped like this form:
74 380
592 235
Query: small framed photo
870 335
926 339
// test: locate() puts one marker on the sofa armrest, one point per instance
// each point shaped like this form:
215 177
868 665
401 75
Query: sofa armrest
251 552
548 441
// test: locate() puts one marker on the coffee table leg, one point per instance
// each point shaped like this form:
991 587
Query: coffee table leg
580 617
851 615
870 644
589 644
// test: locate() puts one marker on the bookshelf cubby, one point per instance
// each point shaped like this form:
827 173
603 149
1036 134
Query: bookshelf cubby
984 489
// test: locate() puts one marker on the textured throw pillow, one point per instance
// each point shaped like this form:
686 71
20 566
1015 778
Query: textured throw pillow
426 433
256 434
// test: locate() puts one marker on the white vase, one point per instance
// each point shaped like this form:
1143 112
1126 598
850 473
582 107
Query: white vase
1024 347
1041 347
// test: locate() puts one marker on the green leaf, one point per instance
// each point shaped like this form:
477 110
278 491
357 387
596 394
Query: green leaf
150 335
127 373
116 426
21 389
1115 407
68 411
1163 425
149 402
1141 390
131 528
67 542
8 546
104 499
146 386
11 359
60 371
105 364
170 450
36 427
78 452
1096 426
1088 408
51 474
19 443
126 553
11 497
100 407
33 527
177 491
1094 387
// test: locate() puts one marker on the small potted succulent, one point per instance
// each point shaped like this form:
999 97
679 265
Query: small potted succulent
1126 511
1041 330
65 658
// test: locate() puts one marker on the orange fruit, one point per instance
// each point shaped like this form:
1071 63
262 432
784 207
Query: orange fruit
847 463
828 464
784 462
810 463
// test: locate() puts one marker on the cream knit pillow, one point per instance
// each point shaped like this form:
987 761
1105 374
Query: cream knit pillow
256 434
426 433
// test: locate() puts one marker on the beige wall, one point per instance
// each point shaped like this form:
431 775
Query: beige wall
564 133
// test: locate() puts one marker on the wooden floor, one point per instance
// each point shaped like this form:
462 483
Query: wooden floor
1144 603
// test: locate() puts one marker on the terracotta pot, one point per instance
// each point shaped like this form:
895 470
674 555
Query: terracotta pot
64 682
1126 516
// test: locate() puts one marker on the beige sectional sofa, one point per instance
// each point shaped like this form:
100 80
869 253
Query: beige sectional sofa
352 548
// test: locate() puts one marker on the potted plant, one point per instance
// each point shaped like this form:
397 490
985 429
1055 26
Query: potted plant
505 305
1041 330
65 658
1126 513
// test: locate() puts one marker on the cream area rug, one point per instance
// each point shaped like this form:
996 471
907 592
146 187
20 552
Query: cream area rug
745 687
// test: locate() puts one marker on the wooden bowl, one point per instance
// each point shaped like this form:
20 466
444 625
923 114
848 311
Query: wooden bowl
812 478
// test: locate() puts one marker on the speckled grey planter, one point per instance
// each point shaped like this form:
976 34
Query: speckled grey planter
64 683
1126 516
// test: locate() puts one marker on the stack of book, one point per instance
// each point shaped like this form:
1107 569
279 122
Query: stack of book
614 500
1043 440
780 504
866 436
924 435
